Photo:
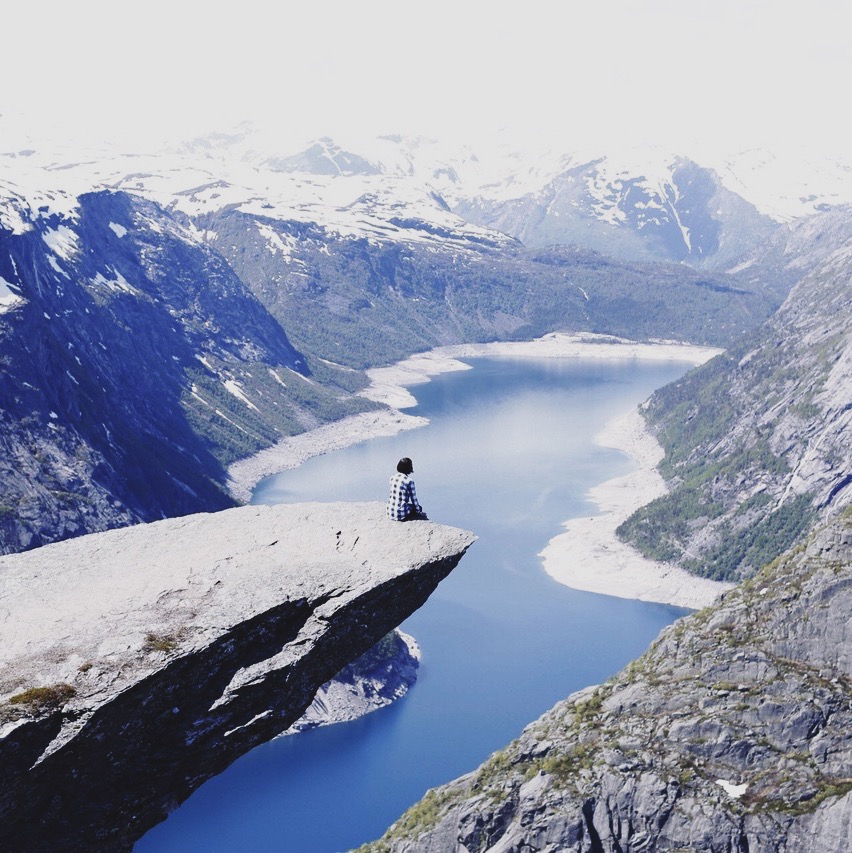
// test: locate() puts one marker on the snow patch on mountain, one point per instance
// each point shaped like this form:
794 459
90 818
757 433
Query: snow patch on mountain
117 283
233 387
8 297
281 244
13 215
786 186
62 241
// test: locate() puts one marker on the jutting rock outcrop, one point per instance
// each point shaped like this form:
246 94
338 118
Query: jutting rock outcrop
137 663
732 733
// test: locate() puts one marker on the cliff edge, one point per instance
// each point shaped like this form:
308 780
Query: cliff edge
138 663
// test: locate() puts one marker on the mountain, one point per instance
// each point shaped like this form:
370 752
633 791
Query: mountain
136 365
366 252
670 208
166 314
361 302
637 203
757 441
731 733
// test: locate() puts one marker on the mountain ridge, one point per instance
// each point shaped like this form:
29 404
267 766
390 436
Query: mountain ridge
756 441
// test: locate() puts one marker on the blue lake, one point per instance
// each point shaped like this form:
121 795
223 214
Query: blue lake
508 454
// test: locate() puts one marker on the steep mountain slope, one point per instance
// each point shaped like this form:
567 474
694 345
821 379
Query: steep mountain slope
669 208
732 733
757 441
362 302
135 366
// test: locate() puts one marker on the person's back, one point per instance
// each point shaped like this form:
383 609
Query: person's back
402 502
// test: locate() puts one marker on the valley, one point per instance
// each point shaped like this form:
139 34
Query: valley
167 318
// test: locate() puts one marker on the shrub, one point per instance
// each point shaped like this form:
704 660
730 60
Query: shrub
38 700
160 642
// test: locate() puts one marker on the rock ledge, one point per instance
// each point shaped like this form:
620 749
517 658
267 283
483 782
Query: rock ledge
172 648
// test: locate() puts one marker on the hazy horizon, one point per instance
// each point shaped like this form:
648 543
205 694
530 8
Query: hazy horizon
717 76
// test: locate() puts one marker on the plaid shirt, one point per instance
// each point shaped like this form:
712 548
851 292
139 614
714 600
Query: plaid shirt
403 498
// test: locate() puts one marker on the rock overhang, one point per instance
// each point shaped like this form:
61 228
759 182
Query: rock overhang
180 583
179 645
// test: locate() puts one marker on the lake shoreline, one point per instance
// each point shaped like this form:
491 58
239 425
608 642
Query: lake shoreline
587 555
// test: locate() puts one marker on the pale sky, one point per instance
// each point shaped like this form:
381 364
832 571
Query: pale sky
729 73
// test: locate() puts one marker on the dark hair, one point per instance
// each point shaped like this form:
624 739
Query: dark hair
404 466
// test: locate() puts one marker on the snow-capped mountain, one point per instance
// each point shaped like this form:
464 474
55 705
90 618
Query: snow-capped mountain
164 313
378 202
637 204
786 187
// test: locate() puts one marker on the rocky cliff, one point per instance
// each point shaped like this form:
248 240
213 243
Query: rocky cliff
139 662
134 365
732 733
757 440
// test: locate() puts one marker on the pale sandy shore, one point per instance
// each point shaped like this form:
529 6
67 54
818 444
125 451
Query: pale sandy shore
388 384
294 450
588 555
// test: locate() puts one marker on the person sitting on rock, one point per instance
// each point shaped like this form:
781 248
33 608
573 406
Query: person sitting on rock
402 503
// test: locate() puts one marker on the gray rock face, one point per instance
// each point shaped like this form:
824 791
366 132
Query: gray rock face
139 662
732 733
757 440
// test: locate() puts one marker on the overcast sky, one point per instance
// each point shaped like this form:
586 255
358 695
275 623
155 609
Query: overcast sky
729 73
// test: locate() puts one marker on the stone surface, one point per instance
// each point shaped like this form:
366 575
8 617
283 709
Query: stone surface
173 648
732 733
383 674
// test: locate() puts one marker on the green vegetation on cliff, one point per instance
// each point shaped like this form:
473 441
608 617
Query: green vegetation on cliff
757 440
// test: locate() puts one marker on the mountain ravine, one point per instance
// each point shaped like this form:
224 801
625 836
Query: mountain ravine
732 733
139 662
163 325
